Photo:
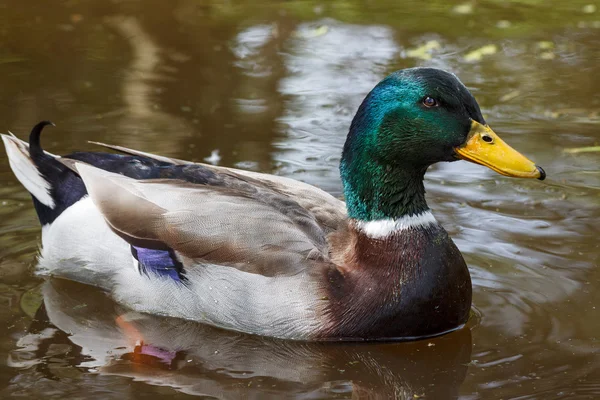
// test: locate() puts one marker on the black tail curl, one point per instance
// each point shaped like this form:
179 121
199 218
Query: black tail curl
35 148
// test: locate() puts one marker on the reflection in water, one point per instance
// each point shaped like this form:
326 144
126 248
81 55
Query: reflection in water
321 99
247 47
202 360
138 89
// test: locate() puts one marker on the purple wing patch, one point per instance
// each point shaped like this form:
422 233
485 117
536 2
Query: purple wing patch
163 263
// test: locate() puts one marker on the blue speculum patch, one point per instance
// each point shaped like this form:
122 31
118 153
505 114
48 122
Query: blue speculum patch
163 263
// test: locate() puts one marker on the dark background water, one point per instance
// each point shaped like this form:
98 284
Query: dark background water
271 87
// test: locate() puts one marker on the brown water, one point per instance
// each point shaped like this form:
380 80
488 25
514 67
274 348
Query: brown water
272 86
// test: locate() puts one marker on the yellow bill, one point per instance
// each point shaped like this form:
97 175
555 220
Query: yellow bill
484 147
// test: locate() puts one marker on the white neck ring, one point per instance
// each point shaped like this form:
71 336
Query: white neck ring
383 228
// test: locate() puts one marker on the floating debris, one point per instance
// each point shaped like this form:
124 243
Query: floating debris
545 45
503 24
589 9
478 54
463 9
313 33
588 149
214 157
547 55
424 51
510 95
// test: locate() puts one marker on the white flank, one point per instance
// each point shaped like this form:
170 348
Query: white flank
80 246
382 228
26 171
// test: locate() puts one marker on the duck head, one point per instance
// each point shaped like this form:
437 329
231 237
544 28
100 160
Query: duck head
410 120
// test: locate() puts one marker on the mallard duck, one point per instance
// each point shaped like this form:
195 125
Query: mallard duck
269 255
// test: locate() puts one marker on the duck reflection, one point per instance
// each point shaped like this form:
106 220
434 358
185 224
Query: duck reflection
96 333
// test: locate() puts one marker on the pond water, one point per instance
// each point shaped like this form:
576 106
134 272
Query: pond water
272 87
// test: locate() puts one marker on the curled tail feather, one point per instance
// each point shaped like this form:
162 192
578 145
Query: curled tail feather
52 185
35 148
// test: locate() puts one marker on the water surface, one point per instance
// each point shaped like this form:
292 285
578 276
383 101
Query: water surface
272 87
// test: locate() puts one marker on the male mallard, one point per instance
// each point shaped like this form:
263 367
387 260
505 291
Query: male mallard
270 255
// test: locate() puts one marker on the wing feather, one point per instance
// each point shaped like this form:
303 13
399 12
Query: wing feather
328 210
208 224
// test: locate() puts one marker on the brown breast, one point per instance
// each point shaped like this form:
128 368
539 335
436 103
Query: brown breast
410 284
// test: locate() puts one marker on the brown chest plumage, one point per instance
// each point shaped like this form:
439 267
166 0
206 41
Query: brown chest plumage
411 284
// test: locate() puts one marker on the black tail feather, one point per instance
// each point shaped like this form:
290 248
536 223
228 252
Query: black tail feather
35 148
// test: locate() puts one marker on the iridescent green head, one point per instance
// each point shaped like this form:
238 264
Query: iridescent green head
410 120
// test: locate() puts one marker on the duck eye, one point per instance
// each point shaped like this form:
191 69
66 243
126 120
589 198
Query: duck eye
430 102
